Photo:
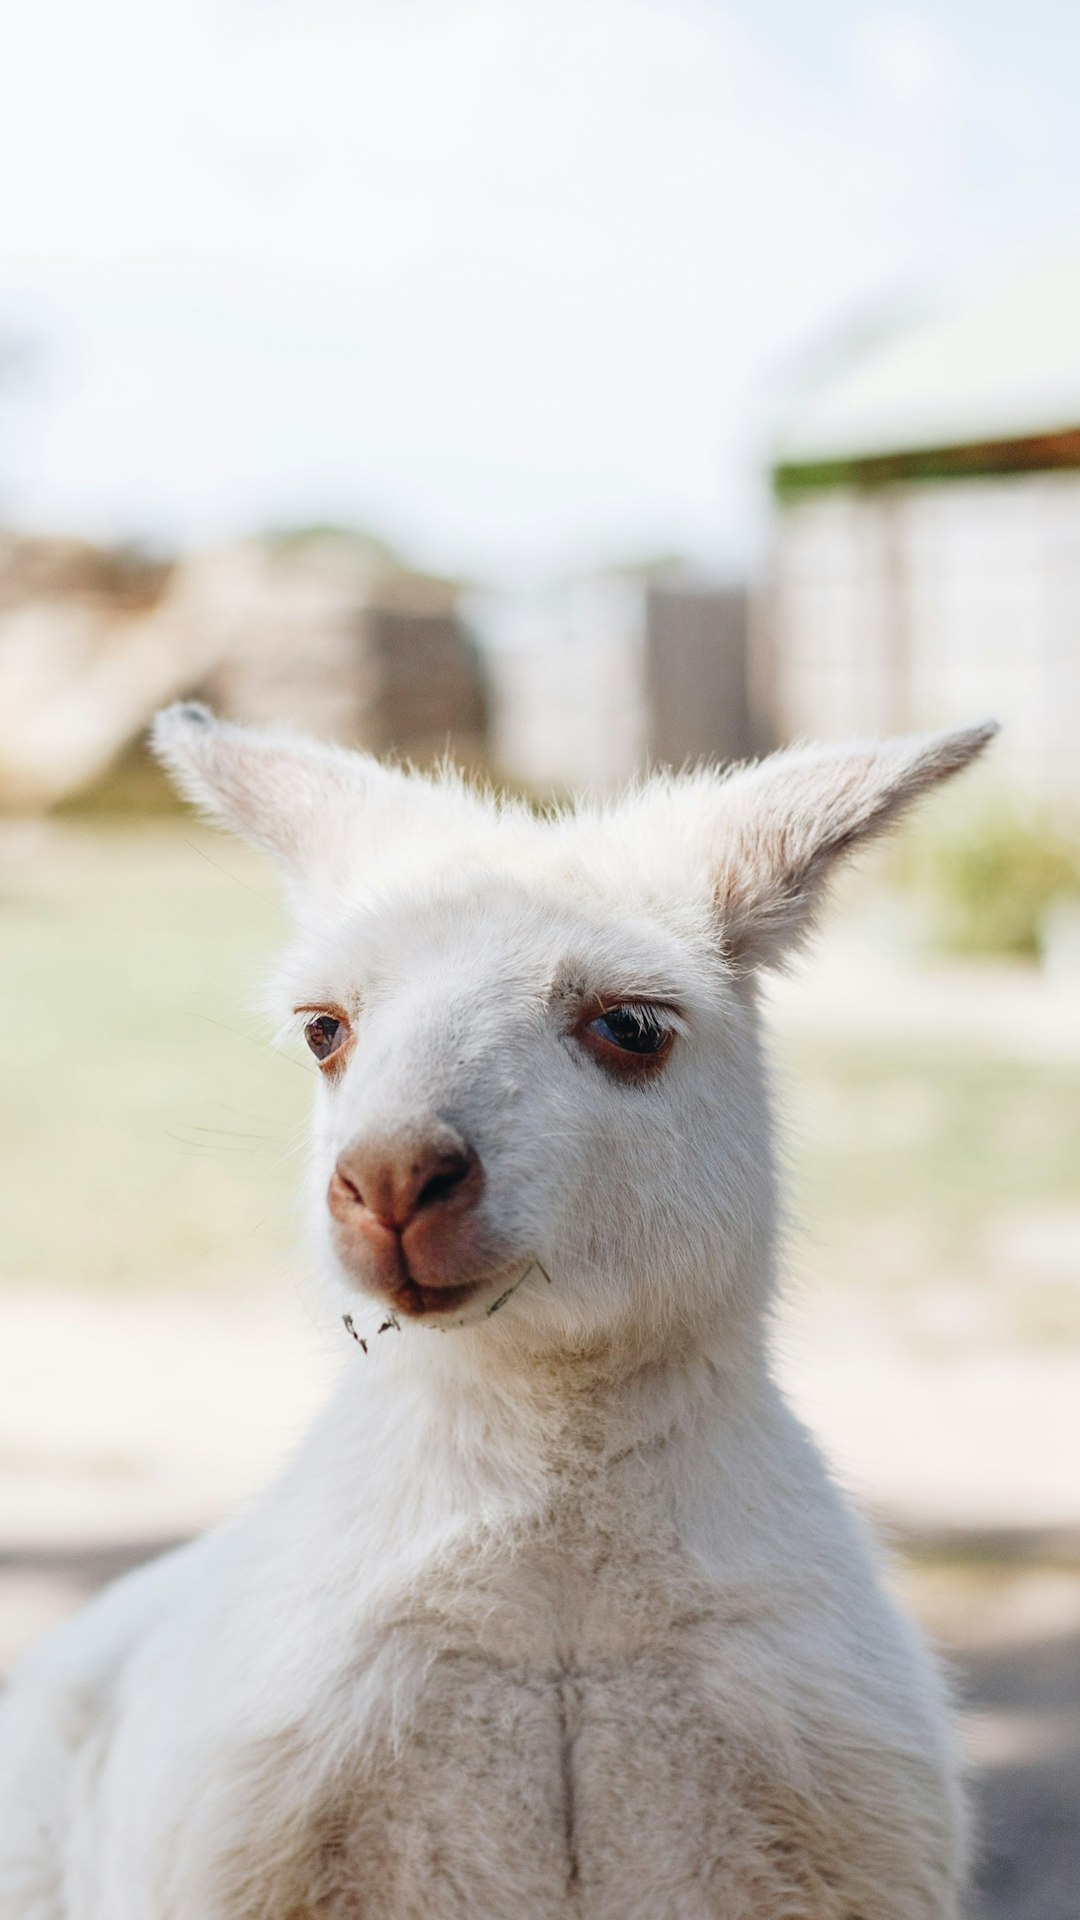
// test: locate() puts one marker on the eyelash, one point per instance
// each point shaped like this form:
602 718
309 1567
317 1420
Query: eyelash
648 1019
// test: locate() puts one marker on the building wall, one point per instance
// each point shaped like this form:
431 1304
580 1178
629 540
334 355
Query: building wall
566 673
927 605
606 675
698 693
379 663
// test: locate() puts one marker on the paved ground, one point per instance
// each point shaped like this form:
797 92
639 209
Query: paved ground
1029 1801
1005 1608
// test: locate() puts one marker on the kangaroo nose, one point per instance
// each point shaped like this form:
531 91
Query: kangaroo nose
396 1182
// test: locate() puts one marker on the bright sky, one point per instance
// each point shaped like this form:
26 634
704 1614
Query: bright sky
513 282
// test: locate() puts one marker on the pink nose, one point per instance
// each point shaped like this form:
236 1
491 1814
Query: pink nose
396 1182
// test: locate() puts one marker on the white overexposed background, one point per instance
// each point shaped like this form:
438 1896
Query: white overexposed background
518 281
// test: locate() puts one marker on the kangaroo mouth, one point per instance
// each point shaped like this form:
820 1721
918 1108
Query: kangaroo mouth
410 1299
414 1301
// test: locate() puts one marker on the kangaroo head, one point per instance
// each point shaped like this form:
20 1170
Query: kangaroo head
541 1093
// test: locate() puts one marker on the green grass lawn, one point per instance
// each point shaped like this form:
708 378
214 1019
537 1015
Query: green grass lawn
150 1133
147 1127
944 1180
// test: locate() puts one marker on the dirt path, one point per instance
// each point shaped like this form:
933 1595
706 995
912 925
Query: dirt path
851 990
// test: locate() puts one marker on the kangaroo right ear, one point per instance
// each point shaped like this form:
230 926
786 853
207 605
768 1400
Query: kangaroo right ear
317 809
785 825
763 841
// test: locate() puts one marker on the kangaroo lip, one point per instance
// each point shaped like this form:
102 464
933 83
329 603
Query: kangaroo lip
408 1297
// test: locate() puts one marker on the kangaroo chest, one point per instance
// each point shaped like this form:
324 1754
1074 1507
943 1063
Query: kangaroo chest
535 1793
548 1741
574 1724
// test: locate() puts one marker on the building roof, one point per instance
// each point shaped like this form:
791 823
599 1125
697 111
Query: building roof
990 382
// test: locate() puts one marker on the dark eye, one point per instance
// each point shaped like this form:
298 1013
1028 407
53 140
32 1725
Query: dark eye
633 1029
325 1034
640 1033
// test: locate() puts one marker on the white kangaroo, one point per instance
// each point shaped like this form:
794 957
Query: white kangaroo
556 1612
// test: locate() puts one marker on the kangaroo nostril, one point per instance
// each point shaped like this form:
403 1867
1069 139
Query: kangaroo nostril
448 1175
393 1183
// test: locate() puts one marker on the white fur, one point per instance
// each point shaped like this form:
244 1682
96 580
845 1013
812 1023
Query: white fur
556 1612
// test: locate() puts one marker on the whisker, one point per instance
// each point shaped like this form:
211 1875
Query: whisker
235 877
225 1133
238 1033
206 1146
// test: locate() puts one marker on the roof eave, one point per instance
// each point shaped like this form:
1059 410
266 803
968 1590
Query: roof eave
1048 452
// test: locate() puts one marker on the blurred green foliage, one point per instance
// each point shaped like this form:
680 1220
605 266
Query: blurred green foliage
988 880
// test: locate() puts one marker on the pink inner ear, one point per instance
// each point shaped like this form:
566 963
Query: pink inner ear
281 791
795 816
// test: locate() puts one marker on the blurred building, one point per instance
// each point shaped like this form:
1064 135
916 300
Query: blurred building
326 633
323 631
926 563
603 675
586 683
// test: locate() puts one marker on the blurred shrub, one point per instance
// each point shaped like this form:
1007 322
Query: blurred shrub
989 881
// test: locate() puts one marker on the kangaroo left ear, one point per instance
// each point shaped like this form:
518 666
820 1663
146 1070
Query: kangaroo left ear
783 825
276 789
322 811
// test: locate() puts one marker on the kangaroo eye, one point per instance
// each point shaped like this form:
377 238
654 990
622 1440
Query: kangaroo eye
640 1034
633 1029
325 1034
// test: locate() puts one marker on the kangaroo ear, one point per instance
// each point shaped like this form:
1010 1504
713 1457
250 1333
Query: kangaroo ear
319 810
785 823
